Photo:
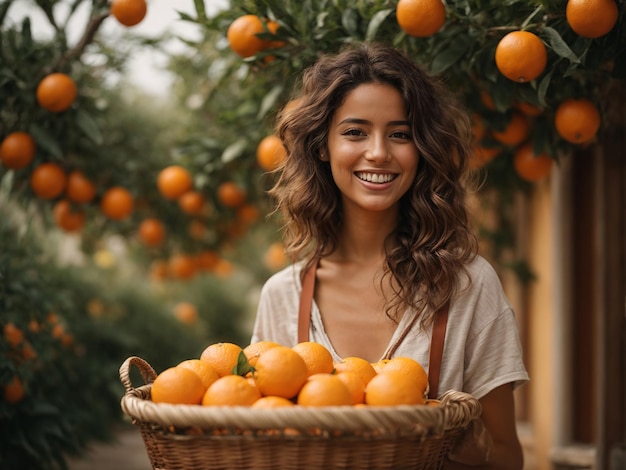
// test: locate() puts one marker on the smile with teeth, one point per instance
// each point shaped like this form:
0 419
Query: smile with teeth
376 177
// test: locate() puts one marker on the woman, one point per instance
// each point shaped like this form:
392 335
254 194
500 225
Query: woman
373 197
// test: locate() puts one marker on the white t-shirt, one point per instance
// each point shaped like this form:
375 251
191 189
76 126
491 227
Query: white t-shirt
482 349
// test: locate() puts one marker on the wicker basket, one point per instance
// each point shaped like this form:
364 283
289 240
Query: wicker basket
192 437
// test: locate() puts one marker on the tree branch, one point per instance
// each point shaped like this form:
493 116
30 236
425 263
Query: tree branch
85 40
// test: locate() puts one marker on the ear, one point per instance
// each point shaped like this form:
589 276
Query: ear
324 156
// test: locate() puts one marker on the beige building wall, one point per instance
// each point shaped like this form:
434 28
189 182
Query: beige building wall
542 335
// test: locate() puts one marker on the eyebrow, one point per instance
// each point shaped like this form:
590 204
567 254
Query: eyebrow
366 122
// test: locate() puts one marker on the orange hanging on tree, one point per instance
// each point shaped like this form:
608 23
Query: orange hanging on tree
174 181
56 92
577 120
48 180
117 203
420 18
521 56
591 18
17 150
529 166
129 12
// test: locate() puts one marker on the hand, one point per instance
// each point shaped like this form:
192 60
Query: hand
474 446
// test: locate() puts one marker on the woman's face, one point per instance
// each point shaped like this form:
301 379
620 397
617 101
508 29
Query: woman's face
372 155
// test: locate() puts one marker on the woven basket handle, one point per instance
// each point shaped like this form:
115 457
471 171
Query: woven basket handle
147 372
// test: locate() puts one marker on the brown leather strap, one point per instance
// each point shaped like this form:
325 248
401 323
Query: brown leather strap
306 299
436 352
436 342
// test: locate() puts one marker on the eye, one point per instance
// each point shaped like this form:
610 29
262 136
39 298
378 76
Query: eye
353 132
401 135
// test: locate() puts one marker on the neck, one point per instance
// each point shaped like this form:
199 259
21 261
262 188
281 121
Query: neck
363 237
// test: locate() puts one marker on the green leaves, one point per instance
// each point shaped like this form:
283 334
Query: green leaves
242 367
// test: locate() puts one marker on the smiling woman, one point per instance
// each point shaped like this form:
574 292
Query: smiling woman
373 193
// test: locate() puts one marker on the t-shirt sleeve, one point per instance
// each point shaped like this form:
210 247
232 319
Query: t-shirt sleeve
494 357
277 312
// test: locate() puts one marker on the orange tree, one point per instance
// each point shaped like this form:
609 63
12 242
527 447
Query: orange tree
68 136
536 76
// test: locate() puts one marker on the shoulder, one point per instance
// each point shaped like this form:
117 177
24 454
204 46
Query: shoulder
482 271
285 279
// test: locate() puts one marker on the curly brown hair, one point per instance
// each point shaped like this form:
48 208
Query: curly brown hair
433 240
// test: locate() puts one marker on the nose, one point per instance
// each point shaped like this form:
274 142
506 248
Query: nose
378 151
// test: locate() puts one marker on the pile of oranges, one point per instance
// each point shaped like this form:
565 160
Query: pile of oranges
266 374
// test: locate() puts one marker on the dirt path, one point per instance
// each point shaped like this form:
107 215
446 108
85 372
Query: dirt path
127 453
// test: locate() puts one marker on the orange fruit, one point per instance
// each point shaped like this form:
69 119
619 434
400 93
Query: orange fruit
248 214
272 402
529 109
355 385
202 369
273 27
316 357
478 128
231 390
254 350
393 388
230 194
280 371
591 18
17 150
529 166
186 312
482 155
117 203
151 232
411 369
222 356
159 270
487 100
207 260
182 266
178 385
67 217
56 92
515 132
13 334
324 390
521 56
242 36
79 188
174 181
358 365
577 120
197 229
28 352
48 180
275 256
129 12
14 391
420 18
224 268
270 153
191 202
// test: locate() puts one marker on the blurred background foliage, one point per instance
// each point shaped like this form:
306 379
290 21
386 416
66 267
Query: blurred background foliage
74 305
